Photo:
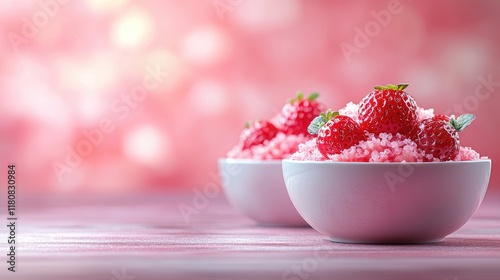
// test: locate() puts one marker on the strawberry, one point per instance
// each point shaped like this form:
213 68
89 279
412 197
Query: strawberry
298 113
257 133
442 117
438 136
335 133
388 109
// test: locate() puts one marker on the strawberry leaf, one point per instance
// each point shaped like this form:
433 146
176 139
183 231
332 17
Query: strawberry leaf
402 86
313 96
300 96
392 87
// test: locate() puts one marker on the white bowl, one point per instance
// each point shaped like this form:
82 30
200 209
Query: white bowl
257 189
386 202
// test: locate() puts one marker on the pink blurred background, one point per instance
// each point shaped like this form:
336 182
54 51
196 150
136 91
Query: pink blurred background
151 93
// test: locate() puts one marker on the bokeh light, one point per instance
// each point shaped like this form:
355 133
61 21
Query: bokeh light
132 29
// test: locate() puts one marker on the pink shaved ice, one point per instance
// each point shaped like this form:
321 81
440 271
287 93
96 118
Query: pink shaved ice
280 147
423 114
384 147
350 110
467 153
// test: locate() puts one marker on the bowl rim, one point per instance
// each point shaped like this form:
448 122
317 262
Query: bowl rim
249 161
312 162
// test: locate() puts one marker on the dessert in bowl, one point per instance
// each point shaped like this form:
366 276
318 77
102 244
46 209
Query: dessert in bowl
386 171
255 184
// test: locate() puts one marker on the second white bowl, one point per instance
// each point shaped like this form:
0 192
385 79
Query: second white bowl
258 190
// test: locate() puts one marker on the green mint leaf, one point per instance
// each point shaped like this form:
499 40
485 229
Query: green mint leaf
316 125
462 122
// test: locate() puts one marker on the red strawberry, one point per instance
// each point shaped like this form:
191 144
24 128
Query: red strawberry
442 117
438 136
298 113
388 109
335 133
257 133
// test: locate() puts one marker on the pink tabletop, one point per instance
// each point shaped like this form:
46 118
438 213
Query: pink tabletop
147 237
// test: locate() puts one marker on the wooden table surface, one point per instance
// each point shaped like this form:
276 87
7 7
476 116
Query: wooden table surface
145 236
